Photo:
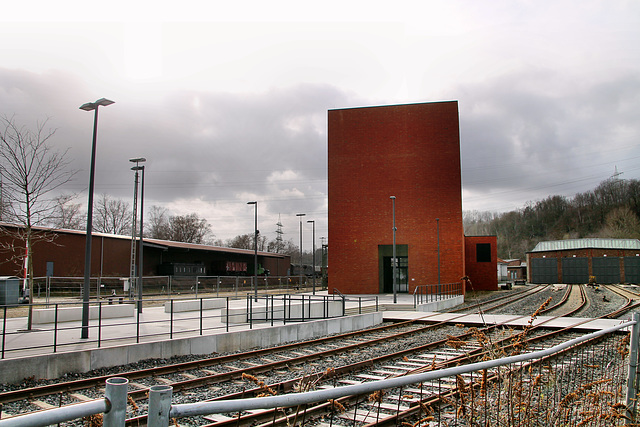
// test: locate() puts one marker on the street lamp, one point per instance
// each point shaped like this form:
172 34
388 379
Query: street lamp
137 168
393 260
313 270
89 106
438 238
300 215
255 250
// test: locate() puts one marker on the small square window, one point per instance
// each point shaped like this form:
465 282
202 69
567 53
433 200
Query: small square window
483 252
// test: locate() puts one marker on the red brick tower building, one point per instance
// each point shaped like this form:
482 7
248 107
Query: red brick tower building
411 152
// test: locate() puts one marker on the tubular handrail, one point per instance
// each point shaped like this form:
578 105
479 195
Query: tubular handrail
161 411
113 405
295 399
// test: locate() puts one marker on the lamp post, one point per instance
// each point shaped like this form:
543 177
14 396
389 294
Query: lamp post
313 269
137 168
393 260
90 106
255 250
438 237
300 215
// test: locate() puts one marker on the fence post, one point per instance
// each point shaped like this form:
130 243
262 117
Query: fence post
4 329
99 322
55 328
159 405
116 394
138 322
632 379
200 316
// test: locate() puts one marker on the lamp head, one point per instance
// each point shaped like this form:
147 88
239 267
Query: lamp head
252 203
90 106
138 160
300 214
392 197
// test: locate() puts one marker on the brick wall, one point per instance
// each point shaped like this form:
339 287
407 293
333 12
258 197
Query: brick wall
482 274
408 151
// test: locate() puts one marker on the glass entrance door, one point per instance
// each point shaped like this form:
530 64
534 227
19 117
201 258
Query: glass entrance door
402 274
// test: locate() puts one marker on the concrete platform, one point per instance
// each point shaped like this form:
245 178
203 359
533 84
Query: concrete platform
31 353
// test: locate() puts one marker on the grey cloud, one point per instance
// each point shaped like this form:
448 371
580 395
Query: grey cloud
540 131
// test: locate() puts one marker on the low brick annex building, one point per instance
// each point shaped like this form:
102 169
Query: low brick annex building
411 152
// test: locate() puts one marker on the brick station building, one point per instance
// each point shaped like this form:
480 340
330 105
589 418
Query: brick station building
411 152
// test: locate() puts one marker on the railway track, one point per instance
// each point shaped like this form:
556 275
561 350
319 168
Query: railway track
292 367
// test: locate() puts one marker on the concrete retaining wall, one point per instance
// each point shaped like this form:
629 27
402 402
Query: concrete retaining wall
58 364
68 314
293 310
194 304
441 304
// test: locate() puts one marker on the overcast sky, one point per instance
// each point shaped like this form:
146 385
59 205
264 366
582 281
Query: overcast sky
228 100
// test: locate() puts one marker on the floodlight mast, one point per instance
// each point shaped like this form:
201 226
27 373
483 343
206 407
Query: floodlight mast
86 288
132 277
255 250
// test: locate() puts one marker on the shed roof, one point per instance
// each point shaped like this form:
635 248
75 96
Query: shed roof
591 243
161 244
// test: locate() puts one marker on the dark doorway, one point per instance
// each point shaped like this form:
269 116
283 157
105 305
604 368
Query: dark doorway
385 253
402 274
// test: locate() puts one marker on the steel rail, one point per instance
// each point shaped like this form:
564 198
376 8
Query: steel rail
519 295
467 357
138 394
230 406
44 390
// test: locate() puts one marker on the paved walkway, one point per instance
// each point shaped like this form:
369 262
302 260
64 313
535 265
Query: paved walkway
578 323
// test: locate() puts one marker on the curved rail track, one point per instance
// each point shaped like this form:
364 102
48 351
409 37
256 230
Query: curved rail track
398 349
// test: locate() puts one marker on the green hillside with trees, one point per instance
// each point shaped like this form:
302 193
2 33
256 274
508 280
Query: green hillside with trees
611 210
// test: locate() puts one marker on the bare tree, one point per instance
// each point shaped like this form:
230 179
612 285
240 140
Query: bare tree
243 241
68 214
112 216
621 223
32 169
189 229
178 228
157 223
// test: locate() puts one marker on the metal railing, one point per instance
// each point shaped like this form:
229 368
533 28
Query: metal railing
177 323
424 294
102 287
288 308
362 301
114 407
559 383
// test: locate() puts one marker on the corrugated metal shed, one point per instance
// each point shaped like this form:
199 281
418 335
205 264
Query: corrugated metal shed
592 243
